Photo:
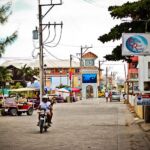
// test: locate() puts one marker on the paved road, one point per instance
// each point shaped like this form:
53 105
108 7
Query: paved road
85 125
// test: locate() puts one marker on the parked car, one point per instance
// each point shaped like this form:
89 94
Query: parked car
116 95
60 99
101 94
14 108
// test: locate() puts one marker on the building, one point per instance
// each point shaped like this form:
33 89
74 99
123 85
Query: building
89 76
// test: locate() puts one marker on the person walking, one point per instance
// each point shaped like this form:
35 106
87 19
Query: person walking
110 96
106 95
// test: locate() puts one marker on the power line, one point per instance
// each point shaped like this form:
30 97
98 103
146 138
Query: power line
53 55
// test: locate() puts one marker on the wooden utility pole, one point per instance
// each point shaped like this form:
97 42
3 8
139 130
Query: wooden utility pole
106 78
100 70
70 70
42 27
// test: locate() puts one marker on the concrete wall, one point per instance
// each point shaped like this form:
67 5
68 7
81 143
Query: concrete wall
143 71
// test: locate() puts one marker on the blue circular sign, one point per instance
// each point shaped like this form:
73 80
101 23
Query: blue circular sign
136 44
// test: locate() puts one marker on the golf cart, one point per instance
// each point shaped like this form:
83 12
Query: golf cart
14 108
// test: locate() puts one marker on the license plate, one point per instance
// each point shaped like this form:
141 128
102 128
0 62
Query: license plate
41 118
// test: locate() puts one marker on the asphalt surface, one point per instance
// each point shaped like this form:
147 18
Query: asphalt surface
89 124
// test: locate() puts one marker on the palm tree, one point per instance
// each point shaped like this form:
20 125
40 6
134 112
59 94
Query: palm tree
4 9
5 76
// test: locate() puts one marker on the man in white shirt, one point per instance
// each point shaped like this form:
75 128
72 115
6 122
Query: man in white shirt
46 104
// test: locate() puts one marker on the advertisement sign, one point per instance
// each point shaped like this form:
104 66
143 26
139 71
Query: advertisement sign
89 78
143 100
135 44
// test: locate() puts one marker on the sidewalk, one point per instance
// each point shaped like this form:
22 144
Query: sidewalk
144 126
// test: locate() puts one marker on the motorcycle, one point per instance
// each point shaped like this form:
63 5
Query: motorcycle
43 121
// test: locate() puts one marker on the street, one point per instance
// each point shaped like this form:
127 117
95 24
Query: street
89 124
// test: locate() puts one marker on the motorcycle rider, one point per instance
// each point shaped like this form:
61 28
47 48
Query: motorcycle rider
45 104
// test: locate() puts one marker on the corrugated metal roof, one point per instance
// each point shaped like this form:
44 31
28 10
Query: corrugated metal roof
35 63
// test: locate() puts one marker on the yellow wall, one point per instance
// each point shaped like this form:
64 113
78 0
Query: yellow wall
75 81
139 111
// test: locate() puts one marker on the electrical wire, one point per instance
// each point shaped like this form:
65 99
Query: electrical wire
53 37
57 42
48 35
53 55
34 56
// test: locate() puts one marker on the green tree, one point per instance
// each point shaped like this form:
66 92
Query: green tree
139 12
4 14
5 76
24 74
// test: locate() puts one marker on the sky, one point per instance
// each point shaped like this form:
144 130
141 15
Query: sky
83 22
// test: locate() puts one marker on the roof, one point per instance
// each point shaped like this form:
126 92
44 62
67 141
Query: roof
18 63
56 63
89 55
34 63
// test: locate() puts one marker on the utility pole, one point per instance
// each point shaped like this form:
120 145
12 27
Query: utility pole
106 78
70 70
82 53
99 69
42 27
70 77
41 50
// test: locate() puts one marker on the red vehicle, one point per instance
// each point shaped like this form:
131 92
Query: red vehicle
13 108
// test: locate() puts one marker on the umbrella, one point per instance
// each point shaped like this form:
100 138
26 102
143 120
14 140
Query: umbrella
63 90
74 89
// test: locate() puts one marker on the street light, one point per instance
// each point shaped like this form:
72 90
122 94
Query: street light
45 67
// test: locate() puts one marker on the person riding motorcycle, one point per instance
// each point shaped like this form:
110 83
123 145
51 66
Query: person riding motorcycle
45 104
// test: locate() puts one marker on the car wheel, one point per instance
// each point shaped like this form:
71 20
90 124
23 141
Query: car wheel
30 112
13 112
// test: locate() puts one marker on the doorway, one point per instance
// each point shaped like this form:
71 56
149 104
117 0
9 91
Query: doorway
89 91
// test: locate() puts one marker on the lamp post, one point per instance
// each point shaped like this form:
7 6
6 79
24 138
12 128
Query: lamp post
67 77
45 67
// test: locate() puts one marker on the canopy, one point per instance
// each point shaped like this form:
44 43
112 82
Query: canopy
63 90
74 89
23 89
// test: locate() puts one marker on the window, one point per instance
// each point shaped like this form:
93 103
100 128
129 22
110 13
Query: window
147 86
148 69
89 62
77 70
133 75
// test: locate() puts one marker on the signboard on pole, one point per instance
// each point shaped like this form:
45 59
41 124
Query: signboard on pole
135 44
144 100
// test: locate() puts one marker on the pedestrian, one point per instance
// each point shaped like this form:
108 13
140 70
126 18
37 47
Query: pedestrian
110 96
106 95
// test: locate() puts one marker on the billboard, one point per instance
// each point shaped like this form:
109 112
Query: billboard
135 44
89 78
